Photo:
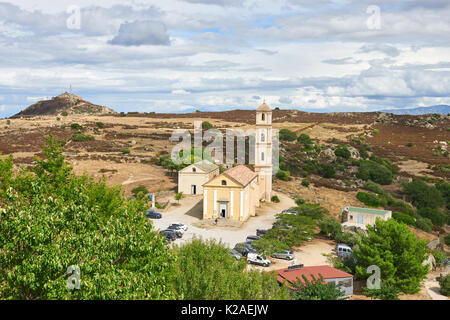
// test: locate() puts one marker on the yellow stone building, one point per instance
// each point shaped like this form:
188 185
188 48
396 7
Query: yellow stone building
237 192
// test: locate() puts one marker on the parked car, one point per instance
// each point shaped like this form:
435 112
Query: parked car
343 250
153 215
177 234
244 248
234 253
258 259
261 232
292 210
169 236
176 227
252 238
180 226
286 255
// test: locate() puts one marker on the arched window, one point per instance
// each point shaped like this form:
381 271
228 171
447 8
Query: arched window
263 137
224 183
194 170
263 117
262 156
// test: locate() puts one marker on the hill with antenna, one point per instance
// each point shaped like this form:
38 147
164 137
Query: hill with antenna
64 103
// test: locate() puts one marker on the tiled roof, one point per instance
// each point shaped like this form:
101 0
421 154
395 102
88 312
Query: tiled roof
204 165
367 210
242 174
327 272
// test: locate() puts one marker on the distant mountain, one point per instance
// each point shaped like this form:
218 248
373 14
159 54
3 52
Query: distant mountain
66 102
421 110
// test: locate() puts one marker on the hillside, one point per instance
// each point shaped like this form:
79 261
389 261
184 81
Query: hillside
66 102
443 109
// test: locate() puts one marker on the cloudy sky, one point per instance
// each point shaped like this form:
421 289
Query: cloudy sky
183 55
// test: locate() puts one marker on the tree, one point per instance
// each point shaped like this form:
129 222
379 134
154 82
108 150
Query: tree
206 125
287 135
423 195
371 170
316 289
283 175
330 227
206 270
444 282
51 219
179 196
141 189
396 251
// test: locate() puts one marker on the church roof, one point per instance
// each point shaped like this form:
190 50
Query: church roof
242 174
264 107
204 165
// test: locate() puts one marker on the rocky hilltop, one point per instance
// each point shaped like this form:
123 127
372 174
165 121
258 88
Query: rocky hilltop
64 103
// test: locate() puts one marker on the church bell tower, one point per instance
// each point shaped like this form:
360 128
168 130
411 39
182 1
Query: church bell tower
263 151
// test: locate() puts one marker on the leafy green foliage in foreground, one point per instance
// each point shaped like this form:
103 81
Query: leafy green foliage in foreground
50 220
316 289
206 270
391 246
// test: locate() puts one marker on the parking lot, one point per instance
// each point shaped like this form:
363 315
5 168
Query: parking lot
189 212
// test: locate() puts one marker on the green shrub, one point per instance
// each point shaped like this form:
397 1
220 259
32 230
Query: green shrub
447 239
275 199
436 217
327 170
125 151
79 136
439 256
305 183
342 152
64 114
371 170
376 131
330 227
100 125
287 135
299 201
206 125
316 289
371 199
283 175
140 189
305 139
76 126
423 195
374 187
424 223
444 282
403 217
410 144
386 292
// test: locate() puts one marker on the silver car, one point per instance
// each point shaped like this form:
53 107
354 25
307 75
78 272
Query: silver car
235 254
286 255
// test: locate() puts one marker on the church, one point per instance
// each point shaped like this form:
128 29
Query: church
237 192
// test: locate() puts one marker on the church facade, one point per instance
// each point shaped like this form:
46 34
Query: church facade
236 193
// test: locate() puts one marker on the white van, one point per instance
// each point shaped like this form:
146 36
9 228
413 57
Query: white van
258 259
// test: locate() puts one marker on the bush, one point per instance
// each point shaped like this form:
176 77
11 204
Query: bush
444 282
79 136
386 292
371 170
374 187
376 131
424 223
305 183
64 114
305 139
283 175
371 199
76 126
140 189
206 125
342 152
287 135
439 256
436 217
447 239
402 217
410 144
275 199
327 170
125 151
299 201
423 195
330 227
100 125
316 289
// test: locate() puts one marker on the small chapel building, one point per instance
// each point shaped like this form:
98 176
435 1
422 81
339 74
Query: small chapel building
237 192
